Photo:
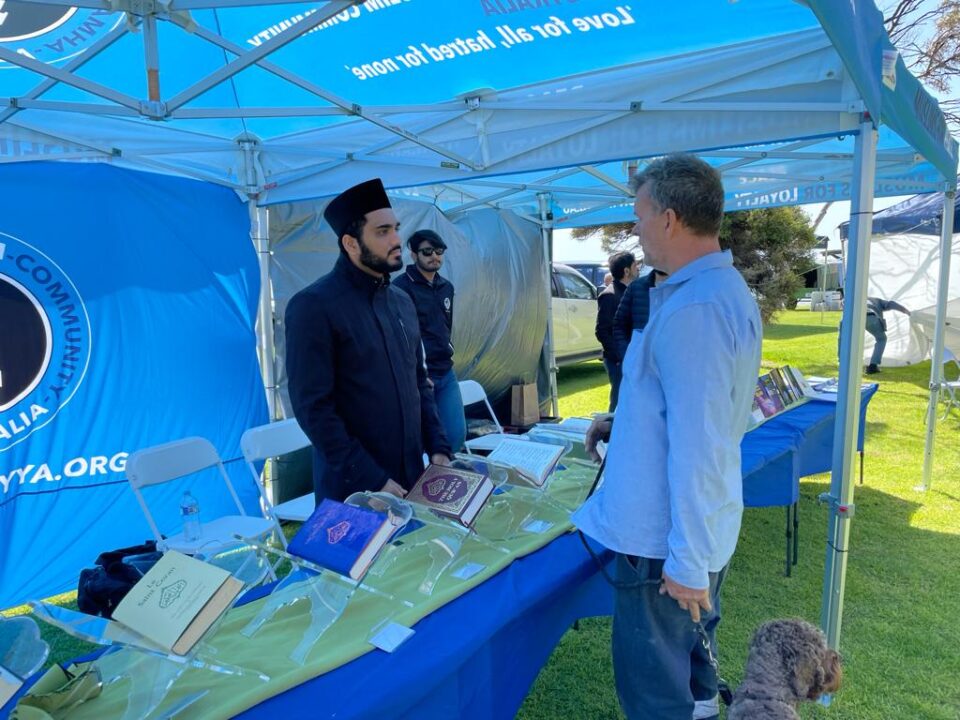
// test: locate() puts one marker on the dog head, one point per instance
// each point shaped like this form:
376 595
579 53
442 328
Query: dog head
809 665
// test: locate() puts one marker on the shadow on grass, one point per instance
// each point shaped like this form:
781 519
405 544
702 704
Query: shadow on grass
582 376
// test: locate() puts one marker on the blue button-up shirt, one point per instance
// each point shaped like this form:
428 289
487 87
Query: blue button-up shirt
672 488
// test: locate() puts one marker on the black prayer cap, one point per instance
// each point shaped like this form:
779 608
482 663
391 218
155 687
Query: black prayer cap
422 236
353 204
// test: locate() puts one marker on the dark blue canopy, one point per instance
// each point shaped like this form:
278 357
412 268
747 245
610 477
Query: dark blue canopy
920 215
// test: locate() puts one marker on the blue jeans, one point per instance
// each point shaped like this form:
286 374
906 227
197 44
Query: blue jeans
877 327
446 392
659 662
615 372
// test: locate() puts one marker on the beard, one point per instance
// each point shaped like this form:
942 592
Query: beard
427 265
376 263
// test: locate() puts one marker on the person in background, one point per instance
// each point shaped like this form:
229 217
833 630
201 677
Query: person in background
432 295
623 269
607 279
355 370
634 309
877 326
671 502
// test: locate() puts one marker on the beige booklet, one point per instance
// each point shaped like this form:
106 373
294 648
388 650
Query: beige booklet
534 460
178 599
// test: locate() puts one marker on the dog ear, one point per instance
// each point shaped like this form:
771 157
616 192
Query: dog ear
817 682
834 671
827 676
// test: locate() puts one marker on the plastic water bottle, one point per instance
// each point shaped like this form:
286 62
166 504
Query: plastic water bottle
190 514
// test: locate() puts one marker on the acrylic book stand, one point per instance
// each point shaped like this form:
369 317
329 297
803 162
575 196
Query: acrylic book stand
517 506
440 538
151 670
328 592
22 653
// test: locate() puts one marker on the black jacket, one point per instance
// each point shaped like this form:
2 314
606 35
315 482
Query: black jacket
434 303
607 303
357 382
633 313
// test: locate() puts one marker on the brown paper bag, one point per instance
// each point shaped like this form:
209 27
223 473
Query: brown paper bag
524 404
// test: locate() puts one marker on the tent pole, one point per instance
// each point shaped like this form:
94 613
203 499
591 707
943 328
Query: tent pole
151 54
546 233
840 497
260 234
936 358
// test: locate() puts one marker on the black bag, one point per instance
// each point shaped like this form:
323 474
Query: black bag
101 588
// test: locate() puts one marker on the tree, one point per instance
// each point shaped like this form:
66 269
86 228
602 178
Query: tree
927 34
613 237
771 249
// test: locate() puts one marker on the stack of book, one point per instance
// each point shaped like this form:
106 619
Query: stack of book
576 427
778 390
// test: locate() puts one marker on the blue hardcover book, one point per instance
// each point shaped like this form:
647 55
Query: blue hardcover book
342 538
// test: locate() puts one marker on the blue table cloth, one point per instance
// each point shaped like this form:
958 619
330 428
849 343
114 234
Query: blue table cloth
794 444
477 656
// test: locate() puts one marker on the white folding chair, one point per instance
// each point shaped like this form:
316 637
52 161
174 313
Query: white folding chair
472 392
177 459
267 441
950 388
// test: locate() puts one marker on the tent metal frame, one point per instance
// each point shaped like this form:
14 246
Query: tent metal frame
254 184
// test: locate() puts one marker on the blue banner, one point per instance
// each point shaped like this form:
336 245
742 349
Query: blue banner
127 306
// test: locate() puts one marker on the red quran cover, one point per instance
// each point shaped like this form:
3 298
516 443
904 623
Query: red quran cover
452 492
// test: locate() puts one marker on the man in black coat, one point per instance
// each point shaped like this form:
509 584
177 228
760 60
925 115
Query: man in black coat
623 268
355 365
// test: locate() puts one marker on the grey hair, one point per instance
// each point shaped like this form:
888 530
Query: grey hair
688 186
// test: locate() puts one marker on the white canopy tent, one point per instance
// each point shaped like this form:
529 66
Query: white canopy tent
793 101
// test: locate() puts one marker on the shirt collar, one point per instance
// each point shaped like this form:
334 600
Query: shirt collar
358 278
416 276
710 261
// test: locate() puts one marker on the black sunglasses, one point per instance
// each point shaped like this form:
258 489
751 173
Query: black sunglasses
429 251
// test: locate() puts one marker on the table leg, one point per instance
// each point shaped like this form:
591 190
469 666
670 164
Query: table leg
788 535
796 531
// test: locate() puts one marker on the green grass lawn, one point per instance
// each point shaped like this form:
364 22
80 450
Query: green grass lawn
901 639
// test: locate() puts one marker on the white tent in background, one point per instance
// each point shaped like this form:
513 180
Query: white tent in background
905 266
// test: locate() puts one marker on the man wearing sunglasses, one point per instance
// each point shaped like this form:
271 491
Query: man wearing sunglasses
432 295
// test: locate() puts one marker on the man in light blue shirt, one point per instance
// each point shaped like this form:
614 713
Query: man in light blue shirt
671 501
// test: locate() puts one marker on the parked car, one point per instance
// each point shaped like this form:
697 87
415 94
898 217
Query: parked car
574 316
592 271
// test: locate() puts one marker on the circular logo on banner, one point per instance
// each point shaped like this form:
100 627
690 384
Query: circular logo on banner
45 344
51 33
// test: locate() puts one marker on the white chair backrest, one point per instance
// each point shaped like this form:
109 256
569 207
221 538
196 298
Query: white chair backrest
266 441
170 461
472 392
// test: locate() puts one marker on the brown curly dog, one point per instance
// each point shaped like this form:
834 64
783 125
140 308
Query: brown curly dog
789 662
